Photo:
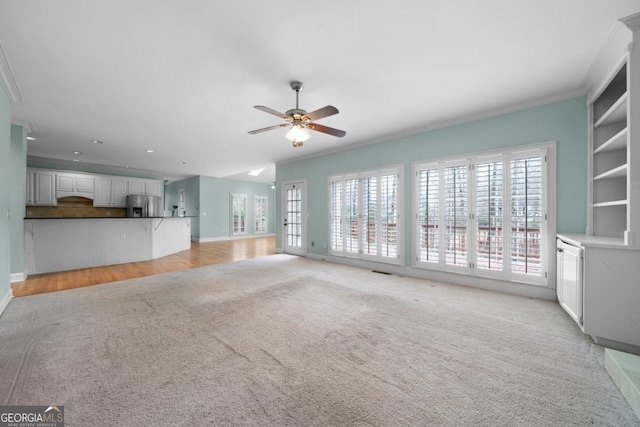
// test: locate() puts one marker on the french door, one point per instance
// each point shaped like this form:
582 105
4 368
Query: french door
294 218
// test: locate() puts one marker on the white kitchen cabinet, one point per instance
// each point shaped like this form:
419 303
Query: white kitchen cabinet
110 192
40 188
145 187
135 186
75 184
153 187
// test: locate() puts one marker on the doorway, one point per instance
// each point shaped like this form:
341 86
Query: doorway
294 214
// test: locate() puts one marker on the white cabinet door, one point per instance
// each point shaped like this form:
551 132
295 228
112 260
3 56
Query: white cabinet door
570 280
153 187
70 184
135 186
85 184
103 192
29 188
119 192
44 188
65 182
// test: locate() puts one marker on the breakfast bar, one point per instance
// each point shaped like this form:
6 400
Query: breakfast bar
59 244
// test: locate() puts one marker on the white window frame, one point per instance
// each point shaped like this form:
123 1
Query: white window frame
359 176
260 219
547 151
232 198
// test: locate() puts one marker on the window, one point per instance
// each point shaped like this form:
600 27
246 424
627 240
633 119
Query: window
238 214
365 214
260 214
484 215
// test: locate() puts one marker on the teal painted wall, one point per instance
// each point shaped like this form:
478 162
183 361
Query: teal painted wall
5 194
214 205
192 186
564 122
17 185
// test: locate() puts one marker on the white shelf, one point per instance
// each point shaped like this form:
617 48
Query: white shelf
617 113
619 172
611 203
616 142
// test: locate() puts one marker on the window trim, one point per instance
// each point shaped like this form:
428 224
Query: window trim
232 197
548 226
257 197
400 206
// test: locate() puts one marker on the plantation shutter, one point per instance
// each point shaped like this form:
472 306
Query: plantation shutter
352 243
389 215
336 217
365 215
428 215
455 214
370 215
489 215
527 215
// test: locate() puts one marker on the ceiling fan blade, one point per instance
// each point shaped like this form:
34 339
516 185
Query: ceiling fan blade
326 129
268 128
271 111
327 111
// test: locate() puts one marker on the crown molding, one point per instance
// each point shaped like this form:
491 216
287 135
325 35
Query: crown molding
632 21
610 56
7 79
28 127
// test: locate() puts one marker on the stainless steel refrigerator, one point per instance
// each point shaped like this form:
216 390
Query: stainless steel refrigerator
139 206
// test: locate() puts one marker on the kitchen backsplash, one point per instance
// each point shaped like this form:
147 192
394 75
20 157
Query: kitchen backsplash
74 207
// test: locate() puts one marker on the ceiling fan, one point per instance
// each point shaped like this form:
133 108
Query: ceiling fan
300 120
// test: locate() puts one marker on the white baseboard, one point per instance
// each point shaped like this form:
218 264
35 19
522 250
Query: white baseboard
6 300
514 288
223 238
18 277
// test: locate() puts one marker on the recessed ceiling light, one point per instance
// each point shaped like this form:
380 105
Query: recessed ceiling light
149 151
76 160
256 172
31 138
95 141
77 152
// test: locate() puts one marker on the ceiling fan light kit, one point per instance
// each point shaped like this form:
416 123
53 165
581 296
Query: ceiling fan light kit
300 120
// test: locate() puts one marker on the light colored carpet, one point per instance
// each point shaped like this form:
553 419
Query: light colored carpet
285 341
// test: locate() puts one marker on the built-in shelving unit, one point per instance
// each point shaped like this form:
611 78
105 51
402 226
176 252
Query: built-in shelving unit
609 162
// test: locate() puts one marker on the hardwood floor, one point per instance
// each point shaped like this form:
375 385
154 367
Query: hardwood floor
200 254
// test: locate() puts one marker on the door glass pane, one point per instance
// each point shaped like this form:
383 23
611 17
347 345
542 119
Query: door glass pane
294 217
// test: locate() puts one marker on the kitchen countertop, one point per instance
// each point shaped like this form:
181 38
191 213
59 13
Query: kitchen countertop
110 217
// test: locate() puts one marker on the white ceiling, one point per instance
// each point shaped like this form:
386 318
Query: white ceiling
182 77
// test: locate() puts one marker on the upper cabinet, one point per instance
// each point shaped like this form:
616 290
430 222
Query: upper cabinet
44 187
75 184
147 187
40 188
111 191
614 145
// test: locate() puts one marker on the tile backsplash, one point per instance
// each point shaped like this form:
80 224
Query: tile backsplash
74 207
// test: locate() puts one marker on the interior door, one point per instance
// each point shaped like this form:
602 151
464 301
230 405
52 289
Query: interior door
294 218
